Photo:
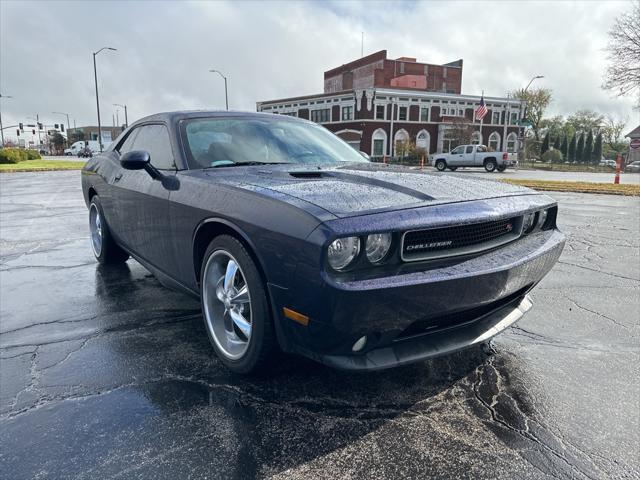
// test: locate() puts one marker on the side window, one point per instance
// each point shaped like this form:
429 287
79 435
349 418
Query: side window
470 149
458 150
155 140
127 145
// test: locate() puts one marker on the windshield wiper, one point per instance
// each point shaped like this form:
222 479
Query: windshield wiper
242 164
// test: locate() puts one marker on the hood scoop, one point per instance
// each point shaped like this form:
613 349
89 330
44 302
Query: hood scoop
306 175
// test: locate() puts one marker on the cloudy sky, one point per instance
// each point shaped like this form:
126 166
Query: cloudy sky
277 49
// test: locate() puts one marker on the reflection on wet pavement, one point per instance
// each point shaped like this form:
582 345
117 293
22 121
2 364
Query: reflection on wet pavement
106 374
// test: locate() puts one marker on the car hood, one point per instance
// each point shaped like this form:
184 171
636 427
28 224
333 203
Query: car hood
357 189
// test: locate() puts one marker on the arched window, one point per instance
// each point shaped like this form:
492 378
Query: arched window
401 143
494 142
423 140
476 138
378 143
512 142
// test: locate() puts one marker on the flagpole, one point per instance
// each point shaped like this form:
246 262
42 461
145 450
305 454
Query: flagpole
481 119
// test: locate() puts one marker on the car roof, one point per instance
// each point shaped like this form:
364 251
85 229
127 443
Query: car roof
174 116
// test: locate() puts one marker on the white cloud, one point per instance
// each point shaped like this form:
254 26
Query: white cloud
271 50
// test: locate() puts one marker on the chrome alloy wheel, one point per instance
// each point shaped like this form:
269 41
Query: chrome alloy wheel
227 304
95 226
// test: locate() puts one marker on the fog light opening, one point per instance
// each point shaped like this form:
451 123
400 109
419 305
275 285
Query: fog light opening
360 343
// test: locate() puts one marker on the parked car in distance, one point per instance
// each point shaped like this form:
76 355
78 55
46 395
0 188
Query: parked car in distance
292 240
633 167
608 163
474 156
85 152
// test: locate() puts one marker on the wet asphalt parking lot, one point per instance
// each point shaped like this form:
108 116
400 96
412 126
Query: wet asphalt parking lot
106 374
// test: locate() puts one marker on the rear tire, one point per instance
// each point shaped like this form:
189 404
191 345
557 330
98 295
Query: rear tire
502 168
239 325
490 165
441 165
104 247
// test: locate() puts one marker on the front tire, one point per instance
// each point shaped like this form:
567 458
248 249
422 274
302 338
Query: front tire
235 307
104 247
441 165
490 165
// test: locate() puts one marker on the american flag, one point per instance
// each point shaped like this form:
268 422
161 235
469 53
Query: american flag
481 111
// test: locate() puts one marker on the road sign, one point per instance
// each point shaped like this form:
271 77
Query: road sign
635 143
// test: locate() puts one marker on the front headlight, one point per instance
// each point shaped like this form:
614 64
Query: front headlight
542 218
529 222
377 247
342 252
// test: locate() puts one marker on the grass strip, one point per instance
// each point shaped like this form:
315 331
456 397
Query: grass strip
578 187
40 166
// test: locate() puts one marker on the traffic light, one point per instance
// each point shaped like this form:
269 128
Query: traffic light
62 127
18 132
33 132
20 126
55 125
39 126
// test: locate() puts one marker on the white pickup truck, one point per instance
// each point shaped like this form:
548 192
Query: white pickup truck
474 156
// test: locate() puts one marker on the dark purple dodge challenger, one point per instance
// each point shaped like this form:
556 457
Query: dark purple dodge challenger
293 241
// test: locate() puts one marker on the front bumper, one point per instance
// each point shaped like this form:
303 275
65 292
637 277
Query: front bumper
434 344
411 316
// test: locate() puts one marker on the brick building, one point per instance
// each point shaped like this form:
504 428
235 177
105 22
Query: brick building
373 99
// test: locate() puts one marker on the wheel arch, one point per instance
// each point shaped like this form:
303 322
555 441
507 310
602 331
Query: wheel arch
211 228
495 160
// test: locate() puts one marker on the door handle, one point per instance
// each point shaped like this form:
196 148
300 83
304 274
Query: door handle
117 177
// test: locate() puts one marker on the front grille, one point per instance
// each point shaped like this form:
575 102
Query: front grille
459 240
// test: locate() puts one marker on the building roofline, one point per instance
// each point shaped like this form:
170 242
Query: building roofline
397 92
306 97
633 133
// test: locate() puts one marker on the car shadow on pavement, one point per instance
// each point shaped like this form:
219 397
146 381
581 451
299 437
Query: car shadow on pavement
295 413
144 395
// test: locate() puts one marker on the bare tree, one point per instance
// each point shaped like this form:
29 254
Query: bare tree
461 132
612 131
623 73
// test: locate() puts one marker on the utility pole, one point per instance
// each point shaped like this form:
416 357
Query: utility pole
362 45
38 124
507 113
68 125
226 98
95 77
126 120
523 130
2 131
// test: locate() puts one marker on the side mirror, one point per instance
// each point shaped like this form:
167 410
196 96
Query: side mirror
135 160
365 155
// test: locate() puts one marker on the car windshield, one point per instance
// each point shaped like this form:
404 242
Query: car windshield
227 142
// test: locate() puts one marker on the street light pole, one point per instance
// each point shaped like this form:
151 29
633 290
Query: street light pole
95 77
2 131
126 120
226 97
524 94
